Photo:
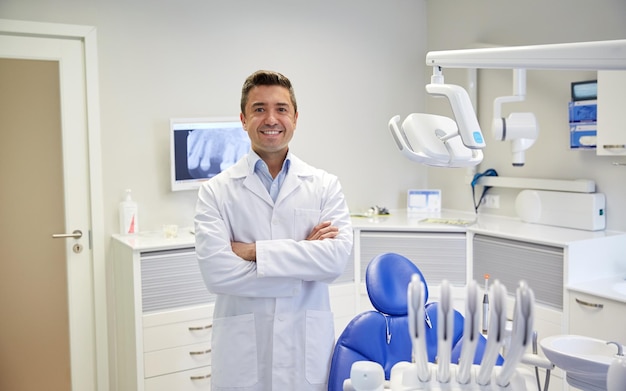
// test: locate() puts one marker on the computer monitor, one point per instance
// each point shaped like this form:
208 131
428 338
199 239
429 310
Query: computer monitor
203 147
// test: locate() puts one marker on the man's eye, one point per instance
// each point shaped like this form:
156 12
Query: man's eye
259 110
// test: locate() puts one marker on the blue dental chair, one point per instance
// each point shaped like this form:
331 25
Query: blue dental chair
382 335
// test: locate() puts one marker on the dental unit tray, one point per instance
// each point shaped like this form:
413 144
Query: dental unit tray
464 376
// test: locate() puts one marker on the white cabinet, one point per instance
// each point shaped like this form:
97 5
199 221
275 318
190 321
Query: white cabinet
161 310
597 317
162 314
177 345
549 259
611 137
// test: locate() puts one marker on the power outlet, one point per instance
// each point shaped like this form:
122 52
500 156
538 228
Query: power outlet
491 201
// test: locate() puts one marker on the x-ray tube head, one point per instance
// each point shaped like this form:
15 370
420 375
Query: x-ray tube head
521 129
463 111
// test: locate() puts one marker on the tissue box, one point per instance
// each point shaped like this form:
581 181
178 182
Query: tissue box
583 135
583 111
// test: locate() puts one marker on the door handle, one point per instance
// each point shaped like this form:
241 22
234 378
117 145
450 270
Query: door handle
77 234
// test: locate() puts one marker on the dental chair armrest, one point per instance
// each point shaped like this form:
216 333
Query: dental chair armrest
537 361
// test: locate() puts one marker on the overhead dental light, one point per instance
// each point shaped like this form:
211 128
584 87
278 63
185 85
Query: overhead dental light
443 142
437 140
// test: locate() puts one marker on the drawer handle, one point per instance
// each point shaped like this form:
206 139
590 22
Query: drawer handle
594 305
200 328
200 377
200 352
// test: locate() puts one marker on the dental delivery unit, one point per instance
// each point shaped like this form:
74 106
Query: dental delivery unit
444 375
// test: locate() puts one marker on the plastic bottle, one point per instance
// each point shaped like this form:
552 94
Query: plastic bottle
128 215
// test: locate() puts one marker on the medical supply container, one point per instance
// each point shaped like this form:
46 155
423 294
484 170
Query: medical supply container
128 215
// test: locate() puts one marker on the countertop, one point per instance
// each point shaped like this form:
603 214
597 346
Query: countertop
515 228
156 240
400 220
495 225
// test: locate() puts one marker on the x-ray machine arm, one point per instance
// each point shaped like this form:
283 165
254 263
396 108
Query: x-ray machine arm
432 140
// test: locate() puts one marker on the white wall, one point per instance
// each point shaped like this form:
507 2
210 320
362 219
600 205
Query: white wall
353 64
460 24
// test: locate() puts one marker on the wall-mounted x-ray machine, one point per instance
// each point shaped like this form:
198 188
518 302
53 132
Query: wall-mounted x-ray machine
440 141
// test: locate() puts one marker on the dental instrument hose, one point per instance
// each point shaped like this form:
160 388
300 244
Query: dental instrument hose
547 381
489 172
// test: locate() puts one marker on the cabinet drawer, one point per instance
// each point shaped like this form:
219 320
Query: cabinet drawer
192 380
177 334
597 317
182 358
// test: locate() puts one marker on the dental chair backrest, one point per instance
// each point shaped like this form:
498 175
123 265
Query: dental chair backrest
382 335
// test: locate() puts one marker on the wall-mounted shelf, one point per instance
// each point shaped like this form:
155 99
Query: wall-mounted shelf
576 185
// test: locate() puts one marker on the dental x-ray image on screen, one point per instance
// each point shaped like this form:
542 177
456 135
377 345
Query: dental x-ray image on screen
202 148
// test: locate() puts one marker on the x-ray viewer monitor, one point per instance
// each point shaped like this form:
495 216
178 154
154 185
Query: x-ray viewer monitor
203 147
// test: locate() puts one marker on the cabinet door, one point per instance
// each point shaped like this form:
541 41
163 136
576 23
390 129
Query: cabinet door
172 279
510 261
541 266
611 139
438 255
596 317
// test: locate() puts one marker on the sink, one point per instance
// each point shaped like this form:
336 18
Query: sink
620 287
581 357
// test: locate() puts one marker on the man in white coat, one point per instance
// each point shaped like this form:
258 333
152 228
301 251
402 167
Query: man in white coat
271 233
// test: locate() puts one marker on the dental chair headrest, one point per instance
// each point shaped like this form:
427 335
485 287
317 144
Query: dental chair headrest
387 278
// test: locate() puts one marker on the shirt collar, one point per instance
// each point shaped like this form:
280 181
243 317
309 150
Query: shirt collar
256 163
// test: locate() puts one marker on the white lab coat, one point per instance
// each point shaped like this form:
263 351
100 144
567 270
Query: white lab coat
272 325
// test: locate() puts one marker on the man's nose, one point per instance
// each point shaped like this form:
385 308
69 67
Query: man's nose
270 118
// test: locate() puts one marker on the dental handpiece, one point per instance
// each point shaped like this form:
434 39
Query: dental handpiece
470 334
486 305
521 334
444 333
497 325
417 327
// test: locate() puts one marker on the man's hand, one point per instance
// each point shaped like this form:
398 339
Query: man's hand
323 230
246 251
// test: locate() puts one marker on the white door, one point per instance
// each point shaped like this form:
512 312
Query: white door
77 319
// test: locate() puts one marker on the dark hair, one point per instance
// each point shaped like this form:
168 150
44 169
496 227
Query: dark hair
266 78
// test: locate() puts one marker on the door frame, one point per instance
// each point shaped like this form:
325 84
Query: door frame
87 35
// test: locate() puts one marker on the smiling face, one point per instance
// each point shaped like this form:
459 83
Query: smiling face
270 120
